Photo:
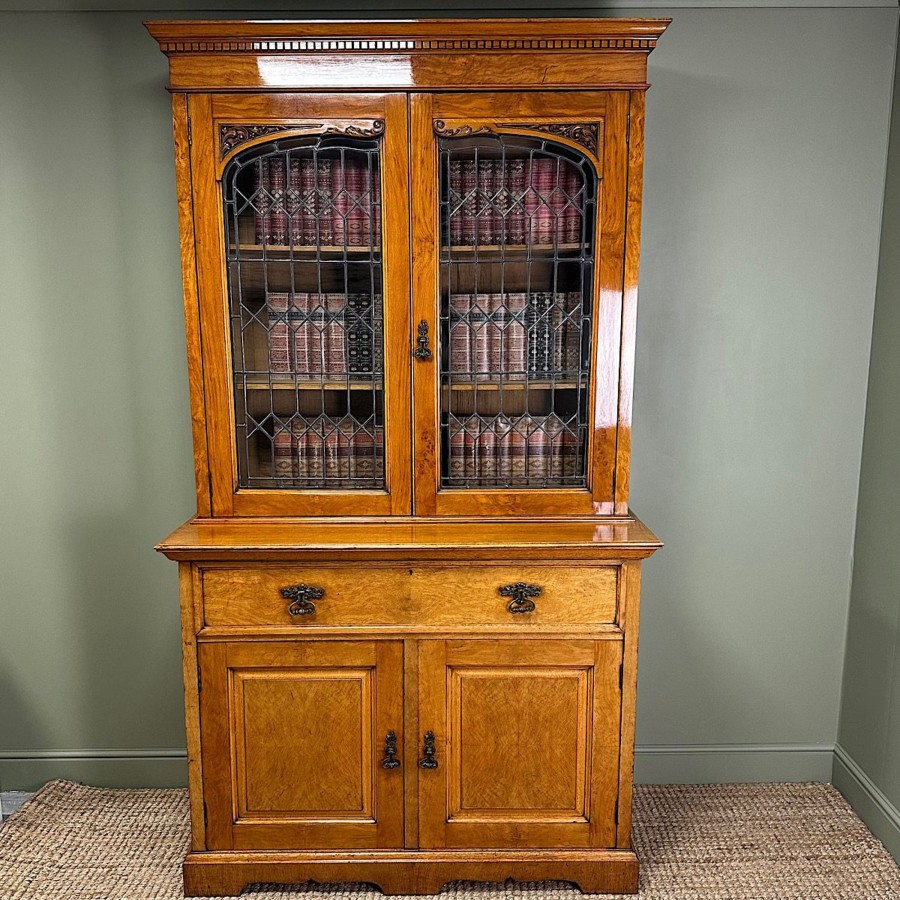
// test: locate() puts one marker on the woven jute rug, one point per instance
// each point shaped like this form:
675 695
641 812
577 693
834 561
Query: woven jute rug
706 842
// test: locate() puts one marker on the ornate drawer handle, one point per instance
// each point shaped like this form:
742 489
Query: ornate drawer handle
301 597
390 751
428 761
521 594
423 351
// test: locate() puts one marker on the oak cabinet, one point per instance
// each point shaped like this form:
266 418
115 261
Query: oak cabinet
410 593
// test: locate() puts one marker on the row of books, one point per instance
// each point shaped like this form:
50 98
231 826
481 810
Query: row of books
317 202
516 449
313 335
514 201
521 335
329 452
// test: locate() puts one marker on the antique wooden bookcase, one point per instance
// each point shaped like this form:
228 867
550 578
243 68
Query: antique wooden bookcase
410 592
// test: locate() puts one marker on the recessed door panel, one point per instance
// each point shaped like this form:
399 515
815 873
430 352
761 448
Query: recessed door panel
294 737
525 737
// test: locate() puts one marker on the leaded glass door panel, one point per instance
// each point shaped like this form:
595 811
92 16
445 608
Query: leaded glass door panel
518 279
312 232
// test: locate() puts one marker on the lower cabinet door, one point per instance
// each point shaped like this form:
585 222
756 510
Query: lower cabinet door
296 753
525 749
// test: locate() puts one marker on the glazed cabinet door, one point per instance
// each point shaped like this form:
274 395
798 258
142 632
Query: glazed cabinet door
300 231
520 743
518 235
300 744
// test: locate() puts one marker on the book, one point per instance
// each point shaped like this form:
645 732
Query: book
480 323
340 203
469 201
278 215
376 205
496 323
484 223
280 351
360 337
558 201
516 217
515 344
454 202
303 225
335 349
456 445
542 221
359 198
284 455
309 344
461 344
262 200
572 216
321 205
540 339
537 450
571 356
487 450
500 202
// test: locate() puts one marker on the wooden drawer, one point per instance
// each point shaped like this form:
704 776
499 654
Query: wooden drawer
412 596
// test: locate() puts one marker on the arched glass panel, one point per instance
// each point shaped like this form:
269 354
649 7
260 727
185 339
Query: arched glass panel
303 244
517 282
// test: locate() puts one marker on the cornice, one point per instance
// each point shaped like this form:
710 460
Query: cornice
422 36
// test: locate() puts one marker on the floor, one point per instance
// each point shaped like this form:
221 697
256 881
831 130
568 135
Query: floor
696 842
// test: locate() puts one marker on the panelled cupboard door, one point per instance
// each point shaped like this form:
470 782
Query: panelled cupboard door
300 744
518 235
301 225
521 740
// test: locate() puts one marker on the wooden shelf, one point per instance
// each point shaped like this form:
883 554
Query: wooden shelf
261 383
304 250
509 248
513 385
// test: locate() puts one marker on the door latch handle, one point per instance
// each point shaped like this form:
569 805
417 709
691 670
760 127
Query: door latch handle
423 350
428 761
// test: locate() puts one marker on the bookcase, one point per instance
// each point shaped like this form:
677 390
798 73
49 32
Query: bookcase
410 592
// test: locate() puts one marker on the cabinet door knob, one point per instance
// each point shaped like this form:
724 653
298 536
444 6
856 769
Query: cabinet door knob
521 594
428 761
301 597
422 351
390 760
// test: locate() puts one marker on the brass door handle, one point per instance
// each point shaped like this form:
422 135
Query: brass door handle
521 594
423 350
301 597
428 761
390 760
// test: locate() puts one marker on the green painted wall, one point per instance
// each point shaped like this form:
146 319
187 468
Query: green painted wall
869 754
765 167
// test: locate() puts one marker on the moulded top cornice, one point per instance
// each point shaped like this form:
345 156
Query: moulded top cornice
413 35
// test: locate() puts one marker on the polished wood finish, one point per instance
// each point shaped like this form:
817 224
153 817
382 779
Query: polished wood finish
422 596
306 732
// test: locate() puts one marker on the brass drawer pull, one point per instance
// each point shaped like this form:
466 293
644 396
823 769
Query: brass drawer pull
390 760
521 594
301 597
428 761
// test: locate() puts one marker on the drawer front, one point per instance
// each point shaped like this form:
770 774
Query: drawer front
511 596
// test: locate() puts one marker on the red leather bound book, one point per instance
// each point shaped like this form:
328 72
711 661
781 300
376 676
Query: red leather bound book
299 431
481 335
321 205
558 201
516 219
488 450
376 207
543 179
262 201
308 343
306 221
514 448
278 216
340 206
574 203
496 324
379 454
485 218
362 457
456 467
356 178
454 202
277 309
515 345
461 361
335 334
471 427
470 200
538 450
284 456
315 452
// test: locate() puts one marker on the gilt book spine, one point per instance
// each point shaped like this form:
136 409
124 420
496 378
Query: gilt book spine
496 324
285 458
278 215
262 184
538 450
299 430
277 310
515 349
517 219
543 179
376 207
514 449
500 202
457 450
480 320
470 201
574 204
454 203
485 216
321 206
359 331
335 352
307 218
340 204
358 199
461 336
